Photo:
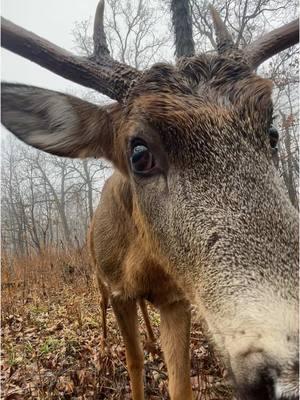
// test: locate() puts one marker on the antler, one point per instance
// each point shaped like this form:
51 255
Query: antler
100 44
261 49
100 72
272 43
224 39
183 28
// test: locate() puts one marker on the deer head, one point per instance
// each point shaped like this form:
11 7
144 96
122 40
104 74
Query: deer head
192 141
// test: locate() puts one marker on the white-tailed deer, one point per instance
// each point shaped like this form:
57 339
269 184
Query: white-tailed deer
195 211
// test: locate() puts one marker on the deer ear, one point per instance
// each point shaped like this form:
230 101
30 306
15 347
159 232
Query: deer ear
57 123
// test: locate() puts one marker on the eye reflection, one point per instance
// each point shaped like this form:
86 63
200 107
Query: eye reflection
142 160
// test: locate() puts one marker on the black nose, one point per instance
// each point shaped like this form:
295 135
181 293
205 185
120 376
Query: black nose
262 388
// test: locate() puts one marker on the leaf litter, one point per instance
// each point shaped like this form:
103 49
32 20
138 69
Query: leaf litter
52 345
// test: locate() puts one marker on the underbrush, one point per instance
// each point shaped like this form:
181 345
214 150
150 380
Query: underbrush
52 346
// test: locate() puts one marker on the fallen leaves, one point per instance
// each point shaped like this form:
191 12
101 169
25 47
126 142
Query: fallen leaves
52 348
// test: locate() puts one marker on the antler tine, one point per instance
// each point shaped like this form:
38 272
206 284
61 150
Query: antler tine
224 38
121 74
100 72
272 43
100 44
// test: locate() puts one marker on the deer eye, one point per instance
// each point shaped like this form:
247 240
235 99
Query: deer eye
274 137
142 160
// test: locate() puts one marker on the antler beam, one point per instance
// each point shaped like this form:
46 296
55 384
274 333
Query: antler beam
101 73
272 43
183 28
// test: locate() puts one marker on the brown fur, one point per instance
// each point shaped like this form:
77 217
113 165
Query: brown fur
165 109
105 296
213 228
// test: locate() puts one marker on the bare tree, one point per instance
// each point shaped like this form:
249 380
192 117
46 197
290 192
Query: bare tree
283 70
41 195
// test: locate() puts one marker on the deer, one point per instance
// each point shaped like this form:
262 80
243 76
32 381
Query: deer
195 211
105 298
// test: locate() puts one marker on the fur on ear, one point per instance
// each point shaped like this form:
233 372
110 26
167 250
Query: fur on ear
57 123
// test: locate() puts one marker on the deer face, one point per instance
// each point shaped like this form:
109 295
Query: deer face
207 192
198 158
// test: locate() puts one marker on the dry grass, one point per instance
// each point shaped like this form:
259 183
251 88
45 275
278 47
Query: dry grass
51 338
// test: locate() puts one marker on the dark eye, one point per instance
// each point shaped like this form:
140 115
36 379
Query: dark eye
274 137
142 160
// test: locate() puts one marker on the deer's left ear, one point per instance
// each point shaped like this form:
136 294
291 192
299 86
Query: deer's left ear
57 123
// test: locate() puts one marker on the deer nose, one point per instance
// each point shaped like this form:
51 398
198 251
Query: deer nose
262 388
270 382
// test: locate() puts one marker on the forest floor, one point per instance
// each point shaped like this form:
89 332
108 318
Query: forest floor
52 346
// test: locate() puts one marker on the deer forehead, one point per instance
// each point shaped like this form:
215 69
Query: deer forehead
224 99
183 123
